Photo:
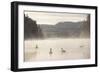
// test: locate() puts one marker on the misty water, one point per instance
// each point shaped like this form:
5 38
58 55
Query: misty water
73 48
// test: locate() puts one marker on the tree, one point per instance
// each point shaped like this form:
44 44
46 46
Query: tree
31 29
85 32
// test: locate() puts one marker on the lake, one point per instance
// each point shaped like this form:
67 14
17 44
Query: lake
56 49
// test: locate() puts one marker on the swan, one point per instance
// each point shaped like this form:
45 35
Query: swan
50 52
62 50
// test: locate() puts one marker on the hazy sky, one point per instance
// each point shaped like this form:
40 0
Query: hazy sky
52 18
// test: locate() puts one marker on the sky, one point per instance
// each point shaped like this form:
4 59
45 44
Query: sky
52 18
